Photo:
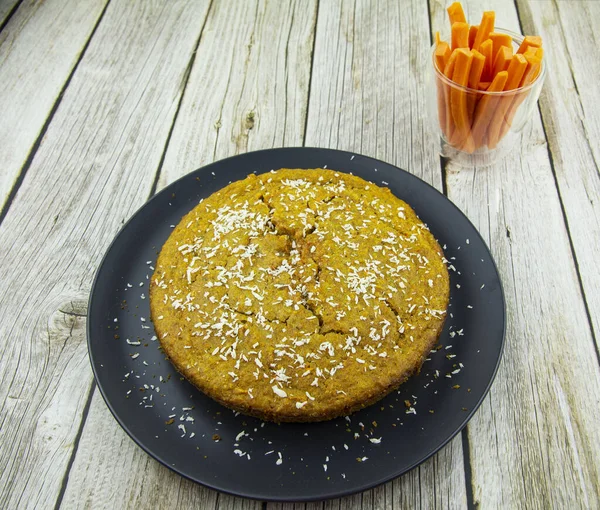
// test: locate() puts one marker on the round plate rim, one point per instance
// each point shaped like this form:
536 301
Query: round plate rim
356 488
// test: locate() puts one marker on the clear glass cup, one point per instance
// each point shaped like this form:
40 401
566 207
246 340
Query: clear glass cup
488 124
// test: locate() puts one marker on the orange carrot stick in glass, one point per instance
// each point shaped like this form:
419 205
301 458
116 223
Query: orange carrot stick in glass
441 104
472 34
540 55
473 83
485 27
442 54
516 69
485 109
502 60
460 35
476 69
461 138
528 48
499 40
456 13
486 49
534 65
483 85
448 72
449 69
530 40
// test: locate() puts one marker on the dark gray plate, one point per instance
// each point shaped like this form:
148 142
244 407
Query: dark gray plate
128 375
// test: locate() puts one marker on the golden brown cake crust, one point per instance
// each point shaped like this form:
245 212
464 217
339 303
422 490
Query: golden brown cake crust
299 295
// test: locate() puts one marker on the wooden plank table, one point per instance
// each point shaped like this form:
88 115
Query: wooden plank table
104 102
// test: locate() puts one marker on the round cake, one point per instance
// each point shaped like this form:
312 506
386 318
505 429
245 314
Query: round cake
299 295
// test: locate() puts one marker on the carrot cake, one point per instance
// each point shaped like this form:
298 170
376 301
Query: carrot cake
299 295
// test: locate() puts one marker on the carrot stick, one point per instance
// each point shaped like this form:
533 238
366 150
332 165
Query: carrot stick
485 27
448 72
461 137
442 54
528 48
476 69
438 39
499 40
474 80
449 69
483 85
534 64
486 50
516 69
472 34
485 109
530 40
441 57
456 13
540 55
502 60
441 104
460 35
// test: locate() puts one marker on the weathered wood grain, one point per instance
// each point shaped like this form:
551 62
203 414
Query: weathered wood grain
368 95
262 66
146 483
535 442
39 47
572 124
297 506
368 92
6 6
94 167
247 91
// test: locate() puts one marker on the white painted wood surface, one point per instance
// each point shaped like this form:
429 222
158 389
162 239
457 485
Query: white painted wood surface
39 47
248 91
133 98
535 442
368 84
572 124
94 167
